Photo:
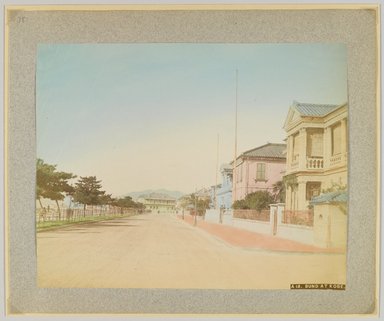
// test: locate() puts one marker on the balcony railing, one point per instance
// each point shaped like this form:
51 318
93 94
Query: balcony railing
338 159
315 162
318 163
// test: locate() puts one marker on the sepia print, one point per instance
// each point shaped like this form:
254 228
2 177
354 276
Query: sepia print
211 166
203 160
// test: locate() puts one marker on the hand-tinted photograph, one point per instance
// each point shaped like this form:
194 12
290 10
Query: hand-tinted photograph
192 166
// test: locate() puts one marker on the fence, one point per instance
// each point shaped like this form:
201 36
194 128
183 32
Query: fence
74 214
298 217
262 215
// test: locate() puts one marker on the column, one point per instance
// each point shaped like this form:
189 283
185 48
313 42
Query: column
303 149
344 139
302 196
327 146
272 213
289 151
280 211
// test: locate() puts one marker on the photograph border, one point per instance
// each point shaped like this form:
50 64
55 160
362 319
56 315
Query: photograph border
22 295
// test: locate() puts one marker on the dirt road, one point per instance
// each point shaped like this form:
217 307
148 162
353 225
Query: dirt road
161 251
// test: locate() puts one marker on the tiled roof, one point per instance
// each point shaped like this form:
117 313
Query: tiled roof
314 109
268 150
158 196
225 167
332 197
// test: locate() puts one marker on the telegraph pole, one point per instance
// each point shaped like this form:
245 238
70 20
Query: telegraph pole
195 220
217 169
235 152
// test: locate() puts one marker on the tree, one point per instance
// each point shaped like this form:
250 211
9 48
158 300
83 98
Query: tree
338 188
278 190
195 201
240 205
127 202
87 192
259 200
52 184
44 174
202 206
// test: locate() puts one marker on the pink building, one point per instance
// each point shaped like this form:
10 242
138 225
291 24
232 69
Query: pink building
258 169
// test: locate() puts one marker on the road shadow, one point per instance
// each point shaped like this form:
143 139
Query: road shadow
111 225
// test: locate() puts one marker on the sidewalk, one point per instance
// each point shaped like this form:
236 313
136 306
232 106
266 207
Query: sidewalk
252 240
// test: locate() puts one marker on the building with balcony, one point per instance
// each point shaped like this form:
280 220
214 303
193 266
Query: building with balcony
317 147
158 203
224 192
258 169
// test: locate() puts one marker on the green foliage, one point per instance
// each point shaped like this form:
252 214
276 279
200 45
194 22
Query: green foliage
88 191
128 202
202 206
290 181
240 205
194 201
50 183
278 190
259 200
338 187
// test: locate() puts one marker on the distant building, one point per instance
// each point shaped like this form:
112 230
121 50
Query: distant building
258 169
213 195
224 192
317 145
158 203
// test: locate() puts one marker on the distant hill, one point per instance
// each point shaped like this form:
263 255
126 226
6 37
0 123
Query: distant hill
174 194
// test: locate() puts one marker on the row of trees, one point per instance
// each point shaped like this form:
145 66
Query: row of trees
55 185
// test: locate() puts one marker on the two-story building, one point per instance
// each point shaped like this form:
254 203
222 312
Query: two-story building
158 203
317 146
258 169
224 192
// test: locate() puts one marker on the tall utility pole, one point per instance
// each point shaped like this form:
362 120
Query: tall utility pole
195 219
217 169
235 154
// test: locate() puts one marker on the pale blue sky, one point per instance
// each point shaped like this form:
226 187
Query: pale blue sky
144 116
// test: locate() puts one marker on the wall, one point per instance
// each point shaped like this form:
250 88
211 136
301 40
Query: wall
330 226
329 230
212 215
252 225
297 233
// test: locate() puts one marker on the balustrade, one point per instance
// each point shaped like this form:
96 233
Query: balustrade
315 162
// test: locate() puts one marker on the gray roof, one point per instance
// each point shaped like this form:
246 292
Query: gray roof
226 167
314 109
332 197
267 151
158 196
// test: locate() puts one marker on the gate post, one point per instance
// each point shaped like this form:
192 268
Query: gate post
273 218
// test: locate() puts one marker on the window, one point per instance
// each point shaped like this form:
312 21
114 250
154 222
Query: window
336 139
313 189
315 143
260 172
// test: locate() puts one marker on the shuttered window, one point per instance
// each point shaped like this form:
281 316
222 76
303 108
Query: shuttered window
260 172
315 143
